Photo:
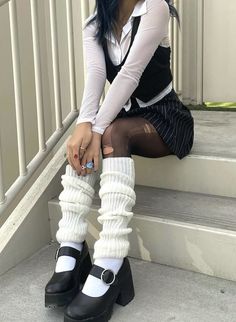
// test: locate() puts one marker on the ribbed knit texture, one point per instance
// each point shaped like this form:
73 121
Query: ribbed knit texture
117 199
75 201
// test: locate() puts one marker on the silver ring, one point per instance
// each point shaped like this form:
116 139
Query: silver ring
89 165
82 148
83 167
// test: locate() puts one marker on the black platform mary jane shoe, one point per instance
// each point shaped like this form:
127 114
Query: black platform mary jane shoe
84 308
63 286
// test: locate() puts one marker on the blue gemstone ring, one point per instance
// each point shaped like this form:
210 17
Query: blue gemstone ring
89 165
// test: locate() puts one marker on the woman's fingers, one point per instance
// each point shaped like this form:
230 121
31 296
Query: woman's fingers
69 157
75 158
77 145
86 159
83 166
83 146
89 158
81 153
96 163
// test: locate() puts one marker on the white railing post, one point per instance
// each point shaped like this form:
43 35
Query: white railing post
25 173
2 193
36 162
84 10
176 46
55 64
171 35
200 15
175 49
71 54
180 51
38 75
17 87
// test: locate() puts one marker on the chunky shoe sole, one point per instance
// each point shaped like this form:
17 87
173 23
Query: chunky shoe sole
53 300
125 296
104 317
60 299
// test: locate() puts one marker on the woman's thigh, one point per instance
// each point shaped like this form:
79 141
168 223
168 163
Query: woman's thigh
133 135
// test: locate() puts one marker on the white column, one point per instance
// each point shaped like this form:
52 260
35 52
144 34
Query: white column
38 75
192 62
219 69
71 54
55 64
84 10
17 88
2 193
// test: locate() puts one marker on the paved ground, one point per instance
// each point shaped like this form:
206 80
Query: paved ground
163 294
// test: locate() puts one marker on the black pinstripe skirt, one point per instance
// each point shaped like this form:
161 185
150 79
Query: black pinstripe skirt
172 120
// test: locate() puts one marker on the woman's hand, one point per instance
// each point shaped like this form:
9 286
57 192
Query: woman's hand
81 137
92 153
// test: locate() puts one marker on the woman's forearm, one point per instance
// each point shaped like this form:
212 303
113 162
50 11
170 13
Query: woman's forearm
95 76
153 27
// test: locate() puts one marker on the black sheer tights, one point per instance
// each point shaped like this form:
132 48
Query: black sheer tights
133 135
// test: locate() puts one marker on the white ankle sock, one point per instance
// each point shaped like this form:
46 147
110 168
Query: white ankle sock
93 286
67 263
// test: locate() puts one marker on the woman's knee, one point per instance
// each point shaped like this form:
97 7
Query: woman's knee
114 138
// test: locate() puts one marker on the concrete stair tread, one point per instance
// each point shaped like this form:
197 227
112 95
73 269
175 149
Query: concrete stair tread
163 294
188 207
214 134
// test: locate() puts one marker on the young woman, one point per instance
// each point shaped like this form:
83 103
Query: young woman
125 41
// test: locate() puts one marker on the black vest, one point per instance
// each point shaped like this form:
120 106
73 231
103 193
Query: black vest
156 76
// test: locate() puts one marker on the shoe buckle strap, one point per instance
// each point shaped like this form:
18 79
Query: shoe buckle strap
106 275
67 251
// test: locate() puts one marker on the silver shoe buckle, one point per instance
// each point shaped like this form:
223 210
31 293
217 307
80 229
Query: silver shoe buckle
105 276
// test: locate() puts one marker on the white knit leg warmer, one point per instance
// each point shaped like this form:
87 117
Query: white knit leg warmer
75 202
117 199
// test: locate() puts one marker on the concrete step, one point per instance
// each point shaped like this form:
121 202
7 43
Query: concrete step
187 230
163 294
210 167
214 134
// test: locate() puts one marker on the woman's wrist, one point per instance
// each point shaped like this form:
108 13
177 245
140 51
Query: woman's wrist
88 124
97 135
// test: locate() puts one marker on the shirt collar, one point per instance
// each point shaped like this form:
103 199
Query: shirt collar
139 10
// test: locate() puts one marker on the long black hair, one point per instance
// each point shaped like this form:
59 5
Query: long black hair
173 11
106 16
